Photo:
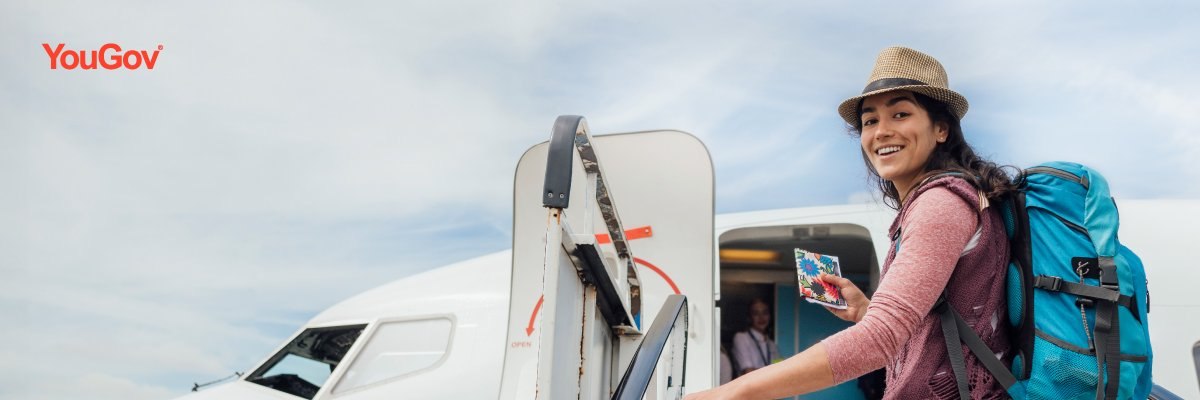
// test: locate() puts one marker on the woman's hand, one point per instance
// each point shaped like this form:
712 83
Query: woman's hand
856 301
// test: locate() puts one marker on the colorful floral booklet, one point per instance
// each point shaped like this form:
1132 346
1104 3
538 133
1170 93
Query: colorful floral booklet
809 267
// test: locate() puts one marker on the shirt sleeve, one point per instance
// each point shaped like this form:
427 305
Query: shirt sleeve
744 352
935 231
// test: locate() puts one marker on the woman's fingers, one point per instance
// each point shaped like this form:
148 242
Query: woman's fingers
838 281
856 300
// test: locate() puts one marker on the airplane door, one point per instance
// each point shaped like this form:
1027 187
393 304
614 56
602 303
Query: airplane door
661 182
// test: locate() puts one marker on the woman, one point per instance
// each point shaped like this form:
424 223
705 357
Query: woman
907 122
752 348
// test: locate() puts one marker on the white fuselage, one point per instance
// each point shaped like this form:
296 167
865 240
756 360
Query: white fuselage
473 297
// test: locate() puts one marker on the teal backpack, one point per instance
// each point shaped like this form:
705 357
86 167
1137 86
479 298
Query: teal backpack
1077 300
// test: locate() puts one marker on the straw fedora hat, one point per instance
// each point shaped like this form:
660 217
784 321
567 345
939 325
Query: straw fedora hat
902 68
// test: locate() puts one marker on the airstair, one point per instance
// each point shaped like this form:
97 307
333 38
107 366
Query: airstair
581 294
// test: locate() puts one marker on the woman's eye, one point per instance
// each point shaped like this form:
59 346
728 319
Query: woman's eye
869 122
900 115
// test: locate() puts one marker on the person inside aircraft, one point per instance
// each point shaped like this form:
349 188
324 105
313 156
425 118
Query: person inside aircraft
753 347
907 122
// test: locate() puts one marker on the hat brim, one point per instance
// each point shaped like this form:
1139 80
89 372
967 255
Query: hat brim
957 103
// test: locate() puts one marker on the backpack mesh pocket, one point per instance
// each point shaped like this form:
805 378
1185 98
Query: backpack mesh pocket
1061 373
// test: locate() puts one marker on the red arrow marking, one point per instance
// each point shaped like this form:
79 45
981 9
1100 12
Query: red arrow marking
630 234
659 272
529 329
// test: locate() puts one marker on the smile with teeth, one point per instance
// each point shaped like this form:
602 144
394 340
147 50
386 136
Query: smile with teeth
883 151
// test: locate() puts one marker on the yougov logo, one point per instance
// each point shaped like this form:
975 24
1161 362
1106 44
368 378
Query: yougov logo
109 56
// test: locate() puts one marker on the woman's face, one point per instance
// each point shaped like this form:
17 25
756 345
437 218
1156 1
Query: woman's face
760 316
898 137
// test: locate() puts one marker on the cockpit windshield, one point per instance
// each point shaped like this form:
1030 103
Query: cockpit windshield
304 365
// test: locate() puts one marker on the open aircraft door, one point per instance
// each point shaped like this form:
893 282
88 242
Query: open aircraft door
613 264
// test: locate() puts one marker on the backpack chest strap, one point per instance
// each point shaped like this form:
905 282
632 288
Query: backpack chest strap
1056 284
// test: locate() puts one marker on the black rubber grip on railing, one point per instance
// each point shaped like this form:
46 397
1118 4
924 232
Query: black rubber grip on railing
637 377
559 162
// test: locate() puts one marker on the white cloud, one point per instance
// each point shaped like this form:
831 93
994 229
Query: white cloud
97 386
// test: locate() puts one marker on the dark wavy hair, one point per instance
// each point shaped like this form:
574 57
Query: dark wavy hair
953 155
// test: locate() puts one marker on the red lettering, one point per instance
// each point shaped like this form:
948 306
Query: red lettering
74 60
83 60
53 54
110 56
116 59
137 58
150 60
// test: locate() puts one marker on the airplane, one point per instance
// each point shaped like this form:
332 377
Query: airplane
567 311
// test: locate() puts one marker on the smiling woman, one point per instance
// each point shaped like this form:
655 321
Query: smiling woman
898 137
909 130
955 247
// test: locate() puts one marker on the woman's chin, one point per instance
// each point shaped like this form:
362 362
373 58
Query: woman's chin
889 174
886 171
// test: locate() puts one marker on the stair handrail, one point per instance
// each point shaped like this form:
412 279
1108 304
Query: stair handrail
570 135
672 316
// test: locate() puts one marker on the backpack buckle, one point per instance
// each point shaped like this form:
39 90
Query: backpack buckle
1052 283
1108 274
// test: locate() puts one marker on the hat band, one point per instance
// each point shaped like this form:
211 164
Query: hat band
886 83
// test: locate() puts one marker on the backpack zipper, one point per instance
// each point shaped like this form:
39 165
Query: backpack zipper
1069 224
1059 173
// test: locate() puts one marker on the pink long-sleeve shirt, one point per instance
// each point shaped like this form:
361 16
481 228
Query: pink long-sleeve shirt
951 239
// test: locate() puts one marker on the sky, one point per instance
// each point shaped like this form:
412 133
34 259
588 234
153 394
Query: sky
169 226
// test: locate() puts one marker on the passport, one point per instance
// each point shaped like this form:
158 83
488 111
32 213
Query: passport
809 266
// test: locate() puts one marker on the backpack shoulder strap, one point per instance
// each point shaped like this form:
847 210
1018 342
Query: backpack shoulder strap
955 329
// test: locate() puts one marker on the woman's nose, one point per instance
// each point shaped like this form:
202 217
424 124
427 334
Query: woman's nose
884 129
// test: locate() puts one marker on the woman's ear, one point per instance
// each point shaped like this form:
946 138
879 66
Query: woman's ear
941 131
